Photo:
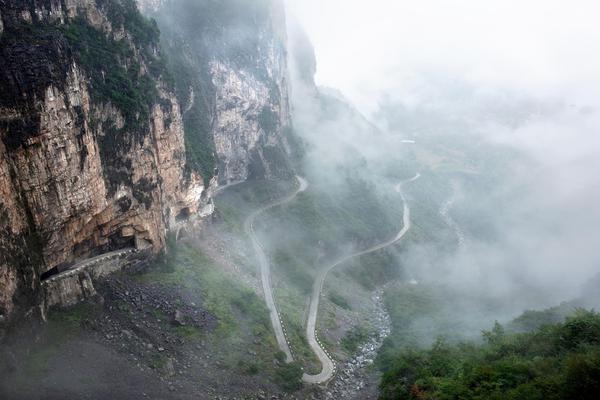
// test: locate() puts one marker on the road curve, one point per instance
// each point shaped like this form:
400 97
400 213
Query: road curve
329 368
265 270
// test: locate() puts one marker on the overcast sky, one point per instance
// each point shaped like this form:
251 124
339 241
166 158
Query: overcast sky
487 63
541 47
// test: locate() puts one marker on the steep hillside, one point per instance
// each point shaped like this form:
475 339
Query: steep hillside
554 361
92 154
229 62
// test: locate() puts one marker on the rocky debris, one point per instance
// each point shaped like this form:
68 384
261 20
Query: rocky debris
136 320
261 395
142 320
353 380
178 318
156 303
218 246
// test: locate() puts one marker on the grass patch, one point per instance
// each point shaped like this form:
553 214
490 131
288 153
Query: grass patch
189 332
72 317
339 301
289 376
249 367
158 314
158 362
295 271
354 338
292 306
188 268
375 269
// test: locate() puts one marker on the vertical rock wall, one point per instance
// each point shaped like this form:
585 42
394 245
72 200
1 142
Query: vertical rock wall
84 169
231 72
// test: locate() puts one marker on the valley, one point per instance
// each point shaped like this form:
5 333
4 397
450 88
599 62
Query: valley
279 200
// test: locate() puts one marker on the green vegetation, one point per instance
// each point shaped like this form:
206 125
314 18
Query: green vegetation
339 300
325 224
115 74
533 319
289 376
280 356
199 143
229 30
421 313
189 332
269 120
249 367
243 338
159 361
124 72
375 269
354 338
294 269
113 65
554 362
327 221
237 202
187 268
296 336
70 319
195 92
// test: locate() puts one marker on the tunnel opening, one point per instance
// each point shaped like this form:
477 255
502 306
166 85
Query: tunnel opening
183 215
49 274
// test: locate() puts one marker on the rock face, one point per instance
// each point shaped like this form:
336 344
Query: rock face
77 284
230 65
92 145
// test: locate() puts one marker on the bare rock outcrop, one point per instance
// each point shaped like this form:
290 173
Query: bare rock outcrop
92 156
231 69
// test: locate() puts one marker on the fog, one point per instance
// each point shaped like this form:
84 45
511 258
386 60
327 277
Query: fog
440 171
512 85
369 49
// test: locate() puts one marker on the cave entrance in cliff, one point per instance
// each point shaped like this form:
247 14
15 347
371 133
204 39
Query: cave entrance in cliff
49 274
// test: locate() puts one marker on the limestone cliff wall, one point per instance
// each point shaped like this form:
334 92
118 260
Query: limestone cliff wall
92 150
231 72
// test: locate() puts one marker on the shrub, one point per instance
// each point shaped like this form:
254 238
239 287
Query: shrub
339 300
560 361
289 377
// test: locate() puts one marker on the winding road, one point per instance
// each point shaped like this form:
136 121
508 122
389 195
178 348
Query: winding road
265 270
327 362
328 365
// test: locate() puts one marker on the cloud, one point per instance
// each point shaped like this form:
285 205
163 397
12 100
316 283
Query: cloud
513 74
541 47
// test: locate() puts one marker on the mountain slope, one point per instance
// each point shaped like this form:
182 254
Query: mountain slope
92 155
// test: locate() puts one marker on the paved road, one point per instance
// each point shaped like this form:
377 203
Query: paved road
265 270
81 265
329 367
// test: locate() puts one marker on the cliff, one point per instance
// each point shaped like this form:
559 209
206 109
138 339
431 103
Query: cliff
229 62
92 145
